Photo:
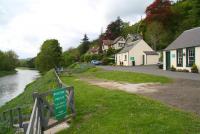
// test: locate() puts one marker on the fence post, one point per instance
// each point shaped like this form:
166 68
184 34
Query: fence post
39 105
20 117
11 118
71 101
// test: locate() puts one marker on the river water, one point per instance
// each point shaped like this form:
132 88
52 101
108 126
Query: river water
13 85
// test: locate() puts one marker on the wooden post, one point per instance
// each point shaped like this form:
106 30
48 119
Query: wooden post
71 101
11 118
20 117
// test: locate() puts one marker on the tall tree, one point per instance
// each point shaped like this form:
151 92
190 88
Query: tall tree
114 29
156 35
84 46
50 55
159 10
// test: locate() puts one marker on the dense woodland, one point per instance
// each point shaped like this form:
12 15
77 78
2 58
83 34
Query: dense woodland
164 22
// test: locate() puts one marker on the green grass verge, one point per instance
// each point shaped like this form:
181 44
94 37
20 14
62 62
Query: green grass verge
42 84
102 111
130 77
4 73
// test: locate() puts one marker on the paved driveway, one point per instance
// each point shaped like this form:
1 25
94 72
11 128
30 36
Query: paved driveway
155 71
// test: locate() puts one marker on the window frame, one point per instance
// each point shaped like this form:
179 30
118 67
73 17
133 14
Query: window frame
178 57
188 56
125 57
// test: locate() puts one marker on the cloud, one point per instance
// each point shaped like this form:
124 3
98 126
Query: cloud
25 24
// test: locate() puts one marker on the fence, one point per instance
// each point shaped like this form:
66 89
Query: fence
42 116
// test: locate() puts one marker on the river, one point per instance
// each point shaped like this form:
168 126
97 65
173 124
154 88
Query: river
13 85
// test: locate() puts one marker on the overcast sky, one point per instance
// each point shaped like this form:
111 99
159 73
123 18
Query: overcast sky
25 24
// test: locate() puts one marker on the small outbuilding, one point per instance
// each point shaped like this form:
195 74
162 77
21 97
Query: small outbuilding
136 53
184 52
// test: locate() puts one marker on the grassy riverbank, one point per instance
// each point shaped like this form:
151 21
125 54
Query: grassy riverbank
42 84
4 73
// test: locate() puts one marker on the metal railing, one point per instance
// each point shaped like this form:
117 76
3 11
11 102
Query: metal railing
42 113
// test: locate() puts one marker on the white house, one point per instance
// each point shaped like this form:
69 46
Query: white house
106 45
136 53
184 51
118 43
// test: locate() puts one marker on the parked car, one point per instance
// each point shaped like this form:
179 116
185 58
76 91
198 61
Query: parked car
96 62
160 65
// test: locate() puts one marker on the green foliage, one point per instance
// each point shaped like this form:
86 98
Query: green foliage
50 56
8 61
110 52
80 67
114 29
71 56
84 47
108 61
30 63
156 35
194 68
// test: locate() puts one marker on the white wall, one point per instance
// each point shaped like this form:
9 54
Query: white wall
104 47
174 60
164 60
151 59
121 58
197 57
137 51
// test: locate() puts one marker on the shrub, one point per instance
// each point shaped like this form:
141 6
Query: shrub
194 69
173 68
87 58
108 61
160 66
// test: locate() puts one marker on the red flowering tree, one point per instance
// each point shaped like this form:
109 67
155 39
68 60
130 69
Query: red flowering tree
159 10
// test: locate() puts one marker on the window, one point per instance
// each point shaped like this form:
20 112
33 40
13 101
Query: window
125 57
121 45
180 57
190 56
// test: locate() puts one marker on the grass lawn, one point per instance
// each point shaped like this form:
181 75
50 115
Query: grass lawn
130 77
4 73
101 111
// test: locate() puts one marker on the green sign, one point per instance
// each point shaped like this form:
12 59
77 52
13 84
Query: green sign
60 103
132 58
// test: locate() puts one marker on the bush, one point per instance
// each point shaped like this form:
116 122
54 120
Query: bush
173 68
108 61
160 66
194 69
87 58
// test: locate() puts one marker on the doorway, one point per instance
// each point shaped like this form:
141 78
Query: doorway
168 64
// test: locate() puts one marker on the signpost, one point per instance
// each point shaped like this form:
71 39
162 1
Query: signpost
60 103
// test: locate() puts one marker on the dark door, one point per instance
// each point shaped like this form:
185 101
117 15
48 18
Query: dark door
143 59
168 60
